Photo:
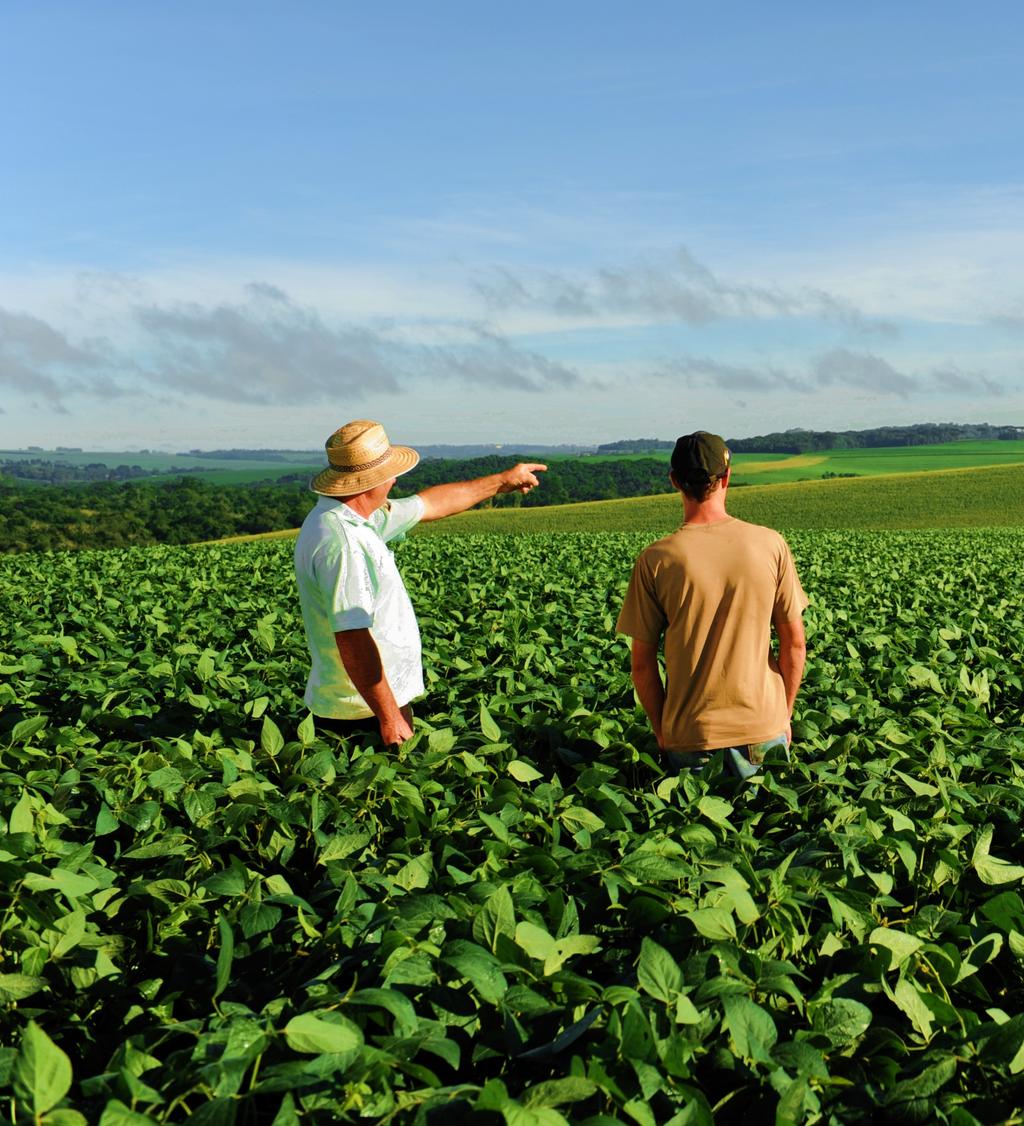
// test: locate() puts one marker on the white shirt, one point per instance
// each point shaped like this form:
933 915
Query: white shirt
348 579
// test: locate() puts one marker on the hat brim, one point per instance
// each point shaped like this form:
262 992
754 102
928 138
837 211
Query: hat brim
331 482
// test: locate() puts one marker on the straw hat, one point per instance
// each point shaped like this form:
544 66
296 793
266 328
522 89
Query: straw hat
361 456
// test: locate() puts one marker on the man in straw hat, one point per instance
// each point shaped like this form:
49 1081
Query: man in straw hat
713 591
360 626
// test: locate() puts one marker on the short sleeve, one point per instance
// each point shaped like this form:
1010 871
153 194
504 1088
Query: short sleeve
398 517
790 599
642 616
345 578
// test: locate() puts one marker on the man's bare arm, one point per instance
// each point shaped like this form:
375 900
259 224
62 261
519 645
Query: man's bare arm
446 500
361 658
647 681
792 656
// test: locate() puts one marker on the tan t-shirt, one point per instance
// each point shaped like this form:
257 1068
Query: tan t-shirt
711 591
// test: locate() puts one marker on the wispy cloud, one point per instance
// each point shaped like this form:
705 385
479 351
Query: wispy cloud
843 368
705 371
39 360
262 349
675 288
839 368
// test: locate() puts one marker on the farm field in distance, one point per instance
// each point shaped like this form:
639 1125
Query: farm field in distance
748 468
208 912
769 468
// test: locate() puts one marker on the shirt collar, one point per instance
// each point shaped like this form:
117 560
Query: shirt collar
348 515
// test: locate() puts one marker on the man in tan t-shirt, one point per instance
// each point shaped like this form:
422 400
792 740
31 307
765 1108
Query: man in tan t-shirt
714 590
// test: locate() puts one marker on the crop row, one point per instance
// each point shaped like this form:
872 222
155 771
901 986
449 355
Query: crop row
209 911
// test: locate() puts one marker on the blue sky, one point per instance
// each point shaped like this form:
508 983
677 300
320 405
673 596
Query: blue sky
243 224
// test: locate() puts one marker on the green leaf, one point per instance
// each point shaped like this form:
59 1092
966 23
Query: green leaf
64 1116
480 967
553 952
415 873
491 731
225 956
306 731
317 1033
579 817
841 1019
559 1092
115 1113
42 1072
271 739
26 728
496 918
921 677
343 845
713 922
522 771
751 1027
990 869
716 810
16 987
1006 910
22 818
441 741
909 1001
231 882
900 944
922 789
393 1002
106 822
658 973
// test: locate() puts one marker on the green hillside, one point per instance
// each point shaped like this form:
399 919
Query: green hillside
950 498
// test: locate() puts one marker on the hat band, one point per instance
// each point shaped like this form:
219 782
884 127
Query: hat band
361 468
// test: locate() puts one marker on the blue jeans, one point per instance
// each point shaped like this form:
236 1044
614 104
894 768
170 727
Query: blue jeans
743 761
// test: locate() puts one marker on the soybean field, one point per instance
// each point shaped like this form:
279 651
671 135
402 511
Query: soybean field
211 913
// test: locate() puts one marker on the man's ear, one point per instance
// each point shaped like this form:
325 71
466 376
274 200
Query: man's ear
672 478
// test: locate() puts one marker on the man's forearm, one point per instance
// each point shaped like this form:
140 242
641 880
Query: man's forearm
650 691
361 658
791 666
447 500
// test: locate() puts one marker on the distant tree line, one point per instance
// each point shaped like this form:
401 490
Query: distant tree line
799 441
253 455
567 480
61 473
185 510
636 446
920 434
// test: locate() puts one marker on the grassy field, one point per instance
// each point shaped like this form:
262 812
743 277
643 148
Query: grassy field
762 468
758 469
949 498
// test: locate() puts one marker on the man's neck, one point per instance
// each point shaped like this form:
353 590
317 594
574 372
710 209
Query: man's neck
363 504
710 511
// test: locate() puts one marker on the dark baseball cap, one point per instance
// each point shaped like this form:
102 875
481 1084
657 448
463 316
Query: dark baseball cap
700 451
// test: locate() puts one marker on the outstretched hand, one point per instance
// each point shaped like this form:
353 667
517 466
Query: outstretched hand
521 478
